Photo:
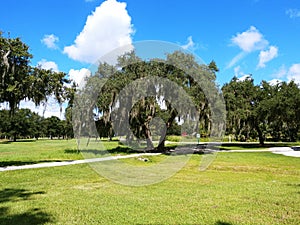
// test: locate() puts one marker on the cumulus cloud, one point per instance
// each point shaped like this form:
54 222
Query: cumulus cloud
293 13
107 28
79 76
294 73
266 56
50 40
244 78
190 44
250 40
48 65
275 82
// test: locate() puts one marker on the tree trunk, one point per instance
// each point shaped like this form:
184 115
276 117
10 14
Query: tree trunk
161 145
148 137
260 136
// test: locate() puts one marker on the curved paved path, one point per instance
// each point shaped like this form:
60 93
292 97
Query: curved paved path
73 162
287 151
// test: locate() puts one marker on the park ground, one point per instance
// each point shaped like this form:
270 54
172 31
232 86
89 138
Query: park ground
237 188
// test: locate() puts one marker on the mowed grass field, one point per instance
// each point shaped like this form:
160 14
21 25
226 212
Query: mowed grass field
237 188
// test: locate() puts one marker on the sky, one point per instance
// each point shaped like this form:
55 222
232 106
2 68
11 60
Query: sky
257 37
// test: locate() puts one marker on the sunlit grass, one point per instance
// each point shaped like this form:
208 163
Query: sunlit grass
32 151
237 188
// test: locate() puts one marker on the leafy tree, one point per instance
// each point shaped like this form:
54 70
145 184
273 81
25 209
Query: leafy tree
279 111
23 124
140 83
240 100
53 127
20 81
14 70
262 111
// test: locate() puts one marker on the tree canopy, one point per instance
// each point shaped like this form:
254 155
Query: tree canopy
133 93
21 81
262 111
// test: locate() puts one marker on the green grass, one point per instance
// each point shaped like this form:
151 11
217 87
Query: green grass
237 188
32 151
25 152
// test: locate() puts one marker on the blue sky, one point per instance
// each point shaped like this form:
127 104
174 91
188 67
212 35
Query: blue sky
258 37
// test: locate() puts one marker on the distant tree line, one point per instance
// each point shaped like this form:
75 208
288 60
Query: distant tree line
28 124
262 112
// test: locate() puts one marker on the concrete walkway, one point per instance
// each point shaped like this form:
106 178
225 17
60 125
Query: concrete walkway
73 162
287 151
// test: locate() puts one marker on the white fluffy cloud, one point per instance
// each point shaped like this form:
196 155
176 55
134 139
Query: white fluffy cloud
250 40
78 76
106 29
274 82
190 44
244 77
50 41
294 73
48 65
266 56
293 13
240 75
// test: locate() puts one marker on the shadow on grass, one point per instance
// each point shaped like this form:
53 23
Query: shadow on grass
11 194
31 216
222 223
117 150
22 163
183 149
18 140
254 145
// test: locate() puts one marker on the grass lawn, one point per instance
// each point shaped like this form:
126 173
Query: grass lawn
31 151
25 152
237 188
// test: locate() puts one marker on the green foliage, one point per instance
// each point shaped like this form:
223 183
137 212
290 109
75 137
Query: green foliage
173 138
26 124
23 123
131 78
262 111
20 81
